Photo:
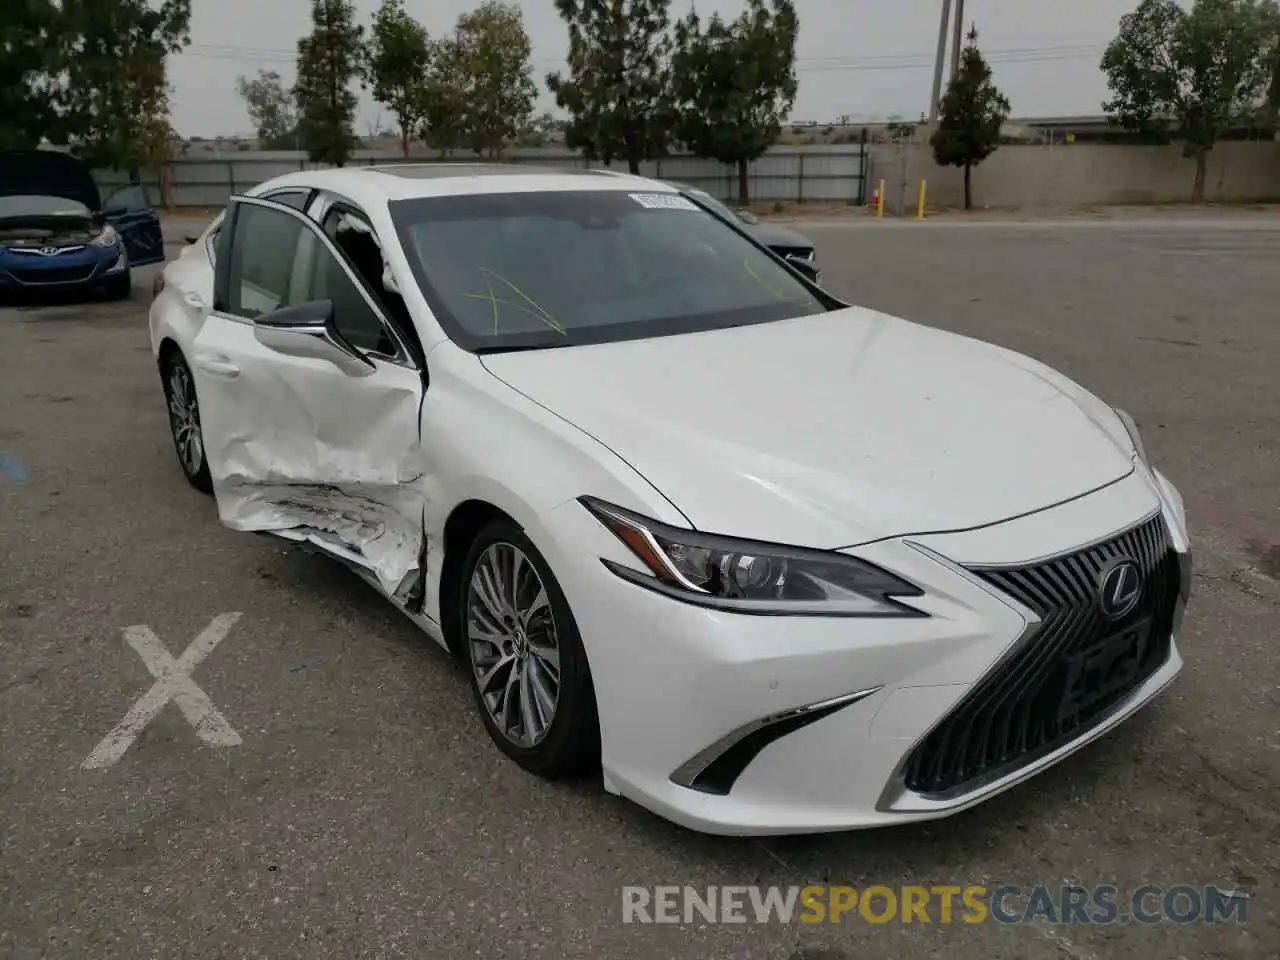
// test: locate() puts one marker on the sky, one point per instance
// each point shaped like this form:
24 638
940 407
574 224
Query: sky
868 59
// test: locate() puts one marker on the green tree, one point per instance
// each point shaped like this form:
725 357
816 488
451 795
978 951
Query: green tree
328 61
30 31
114 104
618 90
970 117
155 146
496 74
271 109
735 83
1271 63
443 103
1201 70
540 130
397 57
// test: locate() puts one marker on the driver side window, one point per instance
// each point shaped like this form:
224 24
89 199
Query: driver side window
132 199
261 259
275 260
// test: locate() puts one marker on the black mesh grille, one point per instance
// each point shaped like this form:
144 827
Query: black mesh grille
1067 675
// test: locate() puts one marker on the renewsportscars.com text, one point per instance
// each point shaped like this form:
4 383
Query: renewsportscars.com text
1070 904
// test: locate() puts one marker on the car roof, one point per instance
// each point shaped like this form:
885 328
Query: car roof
385 183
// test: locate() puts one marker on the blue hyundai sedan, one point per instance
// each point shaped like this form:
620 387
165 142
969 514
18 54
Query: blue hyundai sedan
57 234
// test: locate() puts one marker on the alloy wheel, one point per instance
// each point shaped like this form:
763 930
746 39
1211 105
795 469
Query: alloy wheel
515 651
184 419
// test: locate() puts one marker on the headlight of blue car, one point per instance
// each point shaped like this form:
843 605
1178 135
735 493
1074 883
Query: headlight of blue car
109 237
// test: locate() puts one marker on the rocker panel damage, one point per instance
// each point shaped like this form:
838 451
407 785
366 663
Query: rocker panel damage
371 528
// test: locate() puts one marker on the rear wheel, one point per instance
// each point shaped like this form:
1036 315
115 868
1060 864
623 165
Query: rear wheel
529 669
184 421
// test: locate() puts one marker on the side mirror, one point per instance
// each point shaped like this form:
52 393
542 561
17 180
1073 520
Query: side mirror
806 267
308 330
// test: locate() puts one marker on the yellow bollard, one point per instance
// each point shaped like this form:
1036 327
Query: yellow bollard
880 201
920 205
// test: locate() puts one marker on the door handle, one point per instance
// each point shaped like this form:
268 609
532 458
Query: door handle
194 300
219 368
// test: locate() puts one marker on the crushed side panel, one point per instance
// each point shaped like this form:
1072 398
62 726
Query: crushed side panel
307 452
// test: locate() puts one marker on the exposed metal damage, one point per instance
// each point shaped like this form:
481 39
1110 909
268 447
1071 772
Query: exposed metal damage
381 537
368 516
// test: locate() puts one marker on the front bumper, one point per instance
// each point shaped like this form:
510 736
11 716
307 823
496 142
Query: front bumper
86 267
747 725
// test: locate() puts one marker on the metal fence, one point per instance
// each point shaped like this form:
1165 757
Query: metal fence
816 174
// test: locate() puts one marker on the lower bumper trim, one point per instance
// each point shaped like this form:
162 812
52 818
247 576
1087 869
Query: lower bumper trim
716 769
897 798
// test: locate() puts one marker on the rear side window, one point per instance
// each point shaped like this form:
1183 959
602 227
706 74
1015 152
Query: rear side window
129 200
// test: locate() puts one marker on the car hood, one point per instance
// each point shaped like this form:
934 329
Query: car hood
37 227
772 235
832 430
48 173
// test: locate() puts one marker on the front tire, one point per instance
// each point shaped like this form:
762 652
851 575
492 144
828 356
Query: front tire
184 421
121 287
528 667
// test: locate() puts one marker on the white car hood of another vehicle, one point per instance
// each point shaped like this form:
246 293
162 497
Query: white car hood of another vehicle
832 430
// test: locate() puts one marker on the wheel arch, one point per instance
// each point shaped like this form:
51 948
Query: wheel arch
463 525
168 349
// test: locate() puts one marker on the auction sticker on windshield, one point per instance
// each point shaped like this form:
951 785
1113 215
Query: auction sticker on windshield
664 201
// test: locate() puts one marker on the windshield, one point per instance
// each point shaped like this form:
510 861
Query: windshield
549 269
37 205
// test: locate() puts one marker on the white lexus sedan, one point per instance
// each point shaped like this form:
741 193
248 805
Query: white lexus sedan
770 562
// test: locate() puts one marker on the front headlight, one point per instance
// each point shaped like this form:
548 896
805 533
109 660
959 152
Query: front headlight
745 576
1134 435
109 237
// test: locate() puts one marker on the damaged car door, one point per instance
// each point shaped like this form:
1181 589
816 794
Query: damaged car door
310 401
131 213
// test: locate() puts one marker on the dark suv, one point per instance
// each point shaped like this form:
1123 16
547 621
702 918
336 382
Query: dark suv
783 242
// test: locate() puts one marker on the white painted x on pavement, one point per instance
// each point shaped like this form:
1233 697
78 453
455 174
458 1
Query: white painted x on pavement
173 682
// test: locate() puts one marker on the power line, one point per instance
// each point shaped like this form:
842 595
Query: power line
926 63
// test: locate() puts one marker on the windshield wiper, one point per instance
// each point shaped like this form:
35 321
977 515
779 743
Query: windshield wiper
518 348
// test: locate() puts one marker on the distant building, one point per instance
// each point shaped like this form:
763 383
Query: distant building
1098 128
1089 128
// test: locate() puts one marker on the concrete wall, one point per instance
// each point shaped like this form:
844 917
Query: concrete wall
1079 175
1014 177
796 174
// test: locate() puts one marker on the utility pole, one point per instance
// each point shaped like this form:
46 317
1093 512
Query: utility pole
937 67
957 33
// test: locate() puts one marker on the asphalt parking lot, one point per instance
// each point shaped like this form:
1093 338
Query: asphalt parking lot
364 812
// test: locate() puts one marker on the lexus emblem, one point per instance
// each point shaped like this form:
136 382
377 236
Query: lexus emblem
1119 588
